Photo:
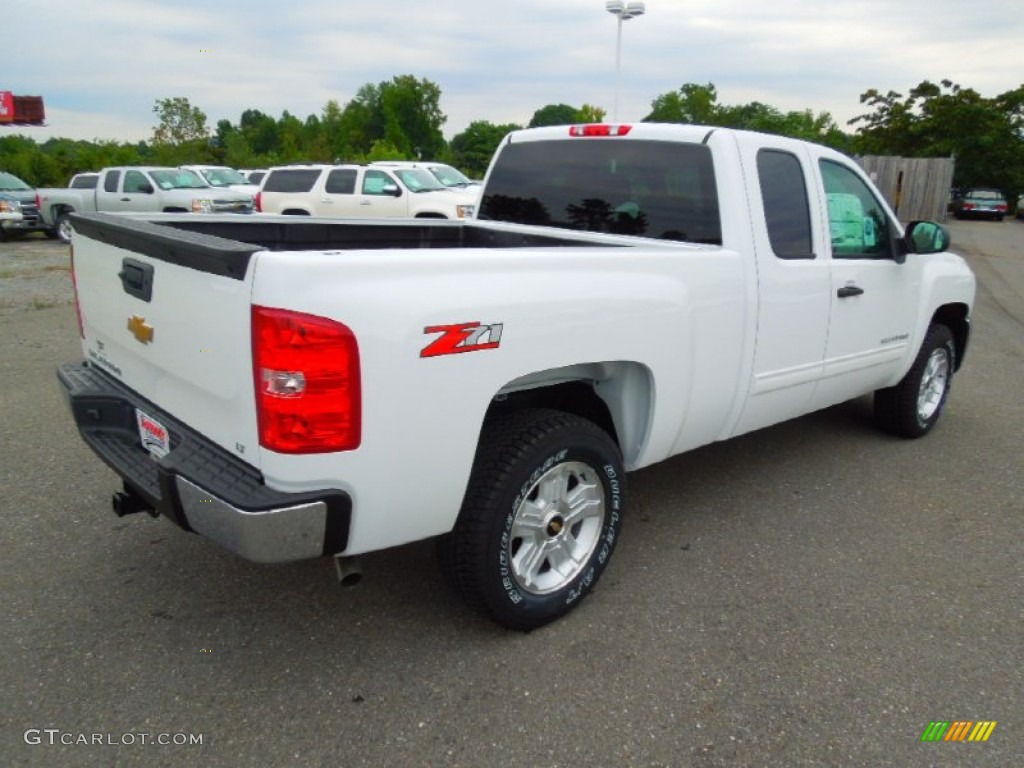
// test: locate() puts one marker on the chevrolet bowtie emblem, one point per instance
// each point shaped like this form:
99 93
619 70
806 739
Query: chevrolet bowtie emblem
142 331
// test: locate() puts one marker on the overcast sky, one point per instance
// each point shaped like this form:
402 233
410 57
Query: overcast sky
101 64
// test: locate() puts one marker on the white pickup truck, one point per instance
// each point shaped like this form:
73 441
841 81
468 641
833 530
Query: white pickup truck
296 387
140 189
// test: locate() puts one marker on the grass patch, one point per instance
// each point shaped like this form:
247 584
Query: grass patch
40 303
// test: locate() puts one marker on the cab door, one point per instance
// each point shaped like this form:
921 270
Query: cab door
338 198
382 196
137 193
793 282
873 296
108 192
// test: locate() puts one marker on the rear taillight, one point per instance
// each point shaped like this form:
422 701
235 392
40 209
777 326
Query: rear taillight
258 202
74 288
308 390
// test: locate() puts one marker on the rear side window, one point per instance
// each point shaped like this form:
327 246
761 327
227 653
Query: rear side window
341 181
786 210
658 189
110 182
291 180
84 182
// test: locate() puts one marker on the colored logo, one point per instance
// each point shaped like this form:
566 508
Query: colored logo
140 329
462 337
958 730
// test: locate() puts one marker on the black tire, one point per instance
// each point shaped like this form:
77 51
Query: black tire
912 407
62 227
505 518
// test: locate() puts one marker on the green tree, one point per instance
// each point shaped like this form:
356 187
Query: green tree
179 122
471 150
985 135
181 134
359 125
590 114
260 132
290 139
698 105
411 116
692 103
555 114
382 150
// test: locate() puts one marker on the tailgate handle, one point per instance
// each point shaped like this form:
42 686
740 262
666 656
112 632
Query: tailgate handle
137 278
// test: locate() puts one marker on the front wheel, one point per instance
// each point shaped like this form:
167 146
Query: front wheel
912 407
540 517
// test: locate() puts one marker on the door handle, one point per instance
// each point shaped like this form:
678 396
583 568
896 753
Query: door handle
849 290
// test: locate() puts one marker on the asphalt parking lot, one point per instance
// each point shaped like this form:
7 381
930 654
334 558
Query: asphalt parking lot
814 594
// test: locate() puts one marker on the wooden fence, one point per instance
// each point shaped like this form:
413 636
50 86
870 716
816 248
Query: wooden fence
915 187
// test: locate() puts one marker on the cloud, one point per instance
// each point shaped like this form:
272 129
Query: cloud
102 65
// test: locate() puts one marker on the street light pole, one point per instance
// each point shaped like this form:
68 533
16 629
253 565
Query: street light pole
624 11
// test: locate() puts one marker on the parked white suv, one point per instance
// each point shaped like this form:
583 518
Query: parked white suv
222 177
446 174
358 191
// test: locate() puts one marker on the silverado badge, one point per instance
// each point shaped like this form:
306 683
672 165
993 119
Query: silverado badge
141 330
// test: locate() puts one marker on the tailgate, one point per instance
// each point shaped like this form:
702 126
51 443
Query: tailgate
167 312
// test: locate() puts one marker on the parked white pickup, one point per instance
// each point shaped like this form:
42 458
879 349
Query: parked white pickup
141 189
291 387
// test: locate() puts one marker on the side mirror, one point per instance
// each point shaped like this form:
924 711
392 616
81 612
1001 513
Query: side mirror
925 237
391 189
145 189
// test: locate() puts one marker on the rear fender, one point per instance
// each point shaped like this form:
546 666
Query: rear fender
618 396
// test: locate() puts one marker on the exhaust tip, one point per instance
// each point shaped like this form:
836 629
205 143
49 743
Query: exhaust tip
350 571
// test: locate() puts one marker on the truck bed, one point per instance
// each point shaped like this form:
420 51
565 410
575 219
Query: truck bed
213 243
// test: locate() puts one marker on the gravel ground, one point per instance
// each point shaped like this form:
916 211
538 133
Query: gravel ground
35 273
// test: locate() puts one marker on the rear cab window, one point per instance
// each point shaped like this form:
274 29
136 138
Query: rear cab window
657 189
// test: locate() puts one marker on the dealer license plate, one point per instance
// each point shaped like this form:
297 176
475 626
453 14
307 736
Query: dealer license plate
154 435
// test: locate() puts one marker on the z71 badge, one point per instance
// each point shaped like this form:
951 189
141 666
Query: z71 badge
462 337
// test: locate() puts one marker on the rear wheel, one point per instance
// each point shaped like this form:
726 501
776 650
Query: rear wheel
912 407
540 517
62 228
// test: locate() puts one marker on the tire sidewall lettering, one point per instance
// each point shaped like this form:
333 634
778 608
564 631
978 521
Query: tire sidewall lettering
613 487
926 424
